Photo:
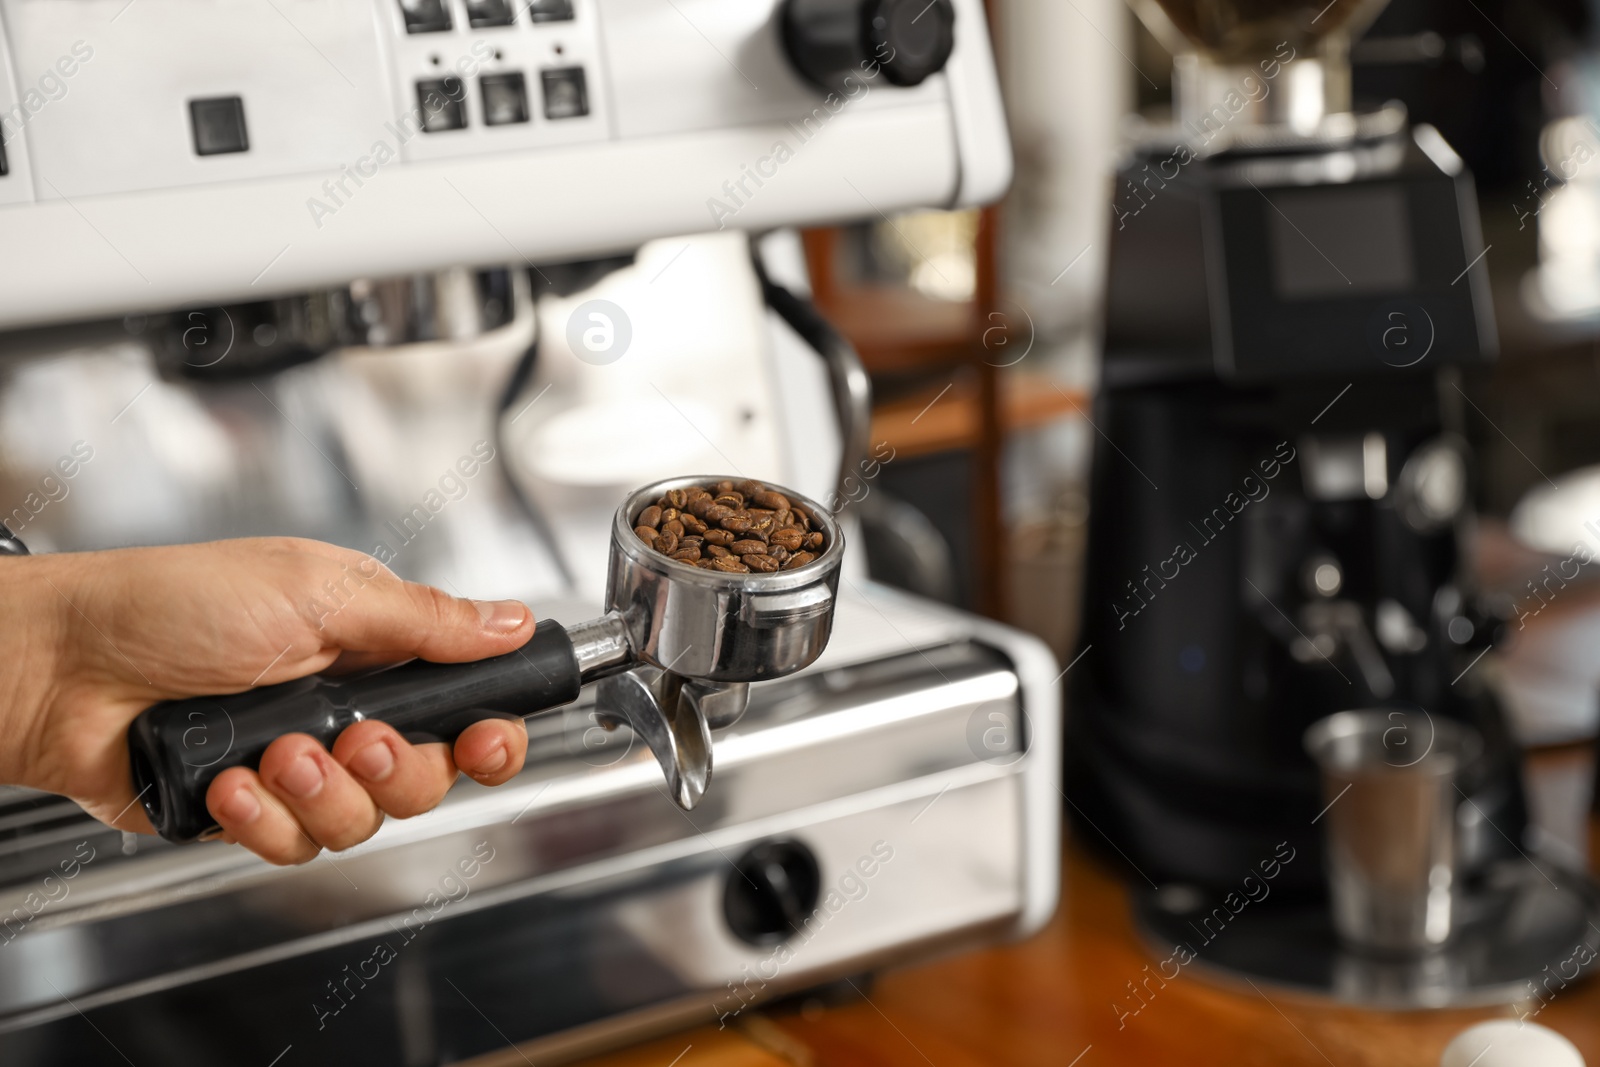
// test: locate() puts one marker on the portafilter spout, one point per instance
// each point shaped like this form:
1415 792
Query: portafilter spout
674 655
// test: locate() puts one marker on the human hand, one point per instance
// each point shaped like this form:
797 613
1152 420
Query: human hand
94 638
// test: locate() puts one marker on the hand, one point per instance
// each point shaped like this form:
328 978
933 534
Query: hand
89 640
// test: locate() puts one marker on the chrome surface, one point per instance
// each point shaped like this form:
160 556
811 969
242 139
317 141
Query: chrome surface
585 847
600 646
714 626
1388 778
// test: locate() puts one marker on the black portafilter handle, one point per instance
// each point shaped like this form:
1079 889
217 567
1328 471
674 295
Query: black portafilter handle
178 747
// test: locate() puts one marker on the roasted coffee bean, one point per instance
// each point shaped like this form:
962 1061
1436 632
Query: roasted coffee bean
732 527
767 498
789 538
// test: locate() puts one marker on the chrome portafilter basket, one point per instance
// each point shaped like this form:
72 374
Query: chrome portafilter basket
674 655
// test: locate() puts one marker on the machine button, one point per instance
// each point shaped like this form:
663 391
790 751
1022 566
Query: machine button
425 16
481 13
218 125
904 40
550 10
444 104
505 99
771 892
566 93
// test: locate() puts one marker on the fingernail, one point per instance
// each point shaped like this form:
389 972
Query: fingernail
241 808
493 761
502 616
373 763
302 778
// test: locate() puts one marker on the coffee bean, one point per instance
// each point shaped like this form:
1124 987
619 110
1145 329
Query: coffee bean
732 527
789 538
766 498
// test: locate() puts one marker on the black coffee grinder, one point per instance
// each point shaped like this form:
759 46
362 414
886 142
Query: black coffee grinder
1280 484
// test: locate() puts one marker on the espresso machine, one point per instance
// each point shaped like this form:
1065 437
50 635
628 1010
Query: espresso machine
1279 499
445 281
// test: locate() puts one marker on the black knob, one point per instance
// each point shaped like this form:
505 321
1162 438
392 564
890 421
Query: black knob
771 892
904 40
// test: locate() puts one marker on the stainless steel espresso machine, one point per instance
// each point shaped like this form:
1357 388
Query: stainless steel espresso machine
406 275
1278 509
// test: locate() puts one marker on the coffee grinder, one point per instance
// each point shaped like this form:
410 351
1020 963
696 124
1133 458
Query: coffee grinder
1280 487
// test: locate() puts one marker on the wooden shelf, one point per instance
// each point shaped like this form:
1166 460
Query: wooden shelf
941 420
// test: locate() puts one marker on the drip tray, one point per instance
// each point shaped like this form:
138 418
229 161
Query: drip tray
1526 933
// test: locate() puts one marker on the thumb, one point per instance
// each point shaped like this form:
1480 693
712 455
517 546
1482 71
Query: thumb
394 617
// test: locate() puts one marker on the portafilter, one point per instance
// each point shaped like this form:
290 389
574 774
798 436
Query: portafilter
674 654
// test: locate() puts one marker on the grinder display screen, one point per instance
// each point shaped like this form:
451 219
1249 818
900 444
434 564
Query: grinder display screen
1345 241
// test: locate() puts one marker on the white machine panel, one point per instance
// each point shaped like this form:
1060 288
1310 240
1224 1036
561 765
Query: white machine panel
210 152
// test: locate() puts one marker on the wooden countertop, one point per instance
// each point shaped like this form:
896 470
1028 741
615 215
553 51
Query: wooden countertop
1049 1001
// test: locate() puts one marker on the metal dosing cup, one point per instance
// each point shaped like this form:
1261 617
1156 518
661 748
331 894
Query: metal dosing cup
1389 782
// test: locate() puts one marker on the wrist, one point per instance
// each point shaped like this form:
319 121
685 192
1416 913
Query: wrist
34 599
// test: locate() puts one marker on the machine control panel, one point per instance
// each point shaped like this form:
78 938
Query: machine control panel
160 154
